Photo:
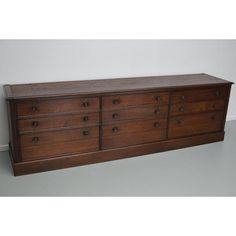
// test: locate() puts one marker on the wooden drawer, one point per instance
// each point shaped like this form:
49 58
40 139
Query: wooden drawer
36 139
198 94
129 139
195 124
146 112
194 107
131 127
59 149
42 107
55 122
123 101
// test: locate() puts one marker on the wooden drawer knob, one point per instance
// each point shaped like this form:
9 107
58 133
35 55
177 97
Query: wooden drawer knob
157 98
115 115
115 129
179 121
182 97
34 108
181 109
35 140
156 124
157 111
116 101
217 93
85 104
213 117
85 118
85 132
35 123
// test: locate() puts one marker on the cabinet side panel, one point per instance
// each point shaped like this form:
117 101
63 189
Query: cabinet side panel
226 106
14 139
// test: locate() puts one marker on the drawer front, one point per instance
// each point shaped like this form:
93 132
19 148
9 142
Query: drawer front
130 127
195 124
185 108
57 106
130 139
58 149
198 94
146 112
37 139
122 101
55 122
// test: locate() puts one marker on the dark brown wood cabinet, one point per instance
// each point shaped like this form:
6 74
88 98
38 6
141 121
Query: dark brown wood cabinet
65 124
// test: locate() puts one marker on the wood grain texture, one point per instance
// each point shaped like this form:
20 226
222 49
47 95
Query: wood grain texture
124 101
52 137
58 122
128 139
140 112
130 127
87 87
181 126
59 149
194 95
37 107
29 167
195 107
14 141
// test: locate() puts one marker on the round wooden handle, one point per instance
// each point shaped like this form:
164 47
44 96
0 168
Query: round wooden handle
217 93
115 129
181 109
182 97
157 98
35 123
85 132
157 111
179 121
116 101
156 124
85 104
85 118
35 139
115 115
34 108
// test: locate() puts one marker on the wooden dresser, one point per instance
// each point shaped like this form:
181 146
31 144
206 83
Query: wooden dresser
65 124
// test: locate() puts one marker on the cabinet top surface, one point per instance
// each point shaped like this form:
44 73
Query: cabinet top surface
102 86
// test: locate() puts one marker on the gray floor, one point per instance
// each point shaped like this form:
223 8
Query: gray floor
207 170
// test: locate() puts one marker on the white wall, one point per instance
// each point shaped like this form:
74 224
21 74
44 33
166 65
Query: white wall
24 61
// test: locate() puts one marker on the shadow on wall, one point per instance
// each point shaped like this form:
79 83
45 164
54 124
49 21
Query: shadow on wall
4 135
